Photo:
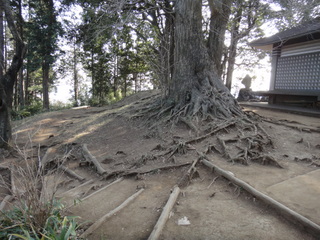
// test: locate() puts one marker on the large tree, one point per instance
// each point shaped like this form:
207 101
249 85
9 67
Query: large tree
219 18
247 15
44 30
294 12
196 89
8 80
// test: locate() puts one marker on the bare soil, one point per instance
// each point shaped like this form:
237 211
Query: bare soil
127 145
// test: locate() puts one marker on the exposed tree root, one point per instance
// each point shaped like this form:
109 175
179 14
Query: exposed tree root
300 129
218 128
189 175
214 116
159 147
314 161
143 160
267 160
181 148
125 173
212 149
190 125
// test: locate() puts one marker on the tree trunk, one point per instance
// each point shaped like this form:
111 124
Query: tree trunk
220 12
125 86
10 77
93 82
15 95
115 78
196 88
231 62
45 85
21 80
135 79
235 36
21 89
27 94
75 76
166 48
5 124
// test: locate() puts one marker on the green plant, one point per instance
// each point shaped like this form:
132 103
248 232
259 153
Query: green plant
58 105
36 215
16 224
27 111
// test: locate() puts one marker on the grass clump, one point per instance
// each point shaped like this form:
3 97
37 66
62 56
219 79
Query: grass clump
35 213
20 223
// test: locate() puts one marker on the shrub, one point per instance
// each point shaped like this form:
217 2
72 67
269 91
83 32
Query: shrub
27 111
36 215
19 224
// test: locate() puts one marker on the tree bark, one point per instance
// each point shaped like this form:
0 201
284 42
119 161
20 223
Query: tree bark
220 12
166 48
75 76
10 77
45 85
196 88
21 80
233 46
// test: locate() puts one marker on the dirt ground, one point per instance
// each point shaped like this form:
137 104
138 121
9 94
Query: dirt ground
212 207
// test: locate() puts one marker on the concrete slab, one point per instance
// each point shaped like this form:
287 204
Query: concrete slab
301 193
313 112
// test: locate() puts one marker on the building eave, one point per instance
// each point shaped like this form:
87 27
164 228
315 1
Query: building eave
302 30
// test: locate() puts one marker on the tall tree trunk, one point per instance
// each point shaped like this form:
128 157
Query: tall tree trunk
220 12
20 76
15 95
47 48
135 79
27 84
21 88
75 76
93 82
125 85
10 77
231 61
196 89
166 48
235 36
115 77
45 85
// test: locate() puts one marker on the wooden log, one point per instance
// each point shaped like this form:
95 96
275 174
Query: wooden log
291 215
101 189
71 173
14 190
98 223
90 158
155 234
46 158
4 202
75 188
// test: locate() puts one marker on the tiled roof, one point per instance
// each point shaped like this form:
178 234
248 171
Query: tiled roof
295 32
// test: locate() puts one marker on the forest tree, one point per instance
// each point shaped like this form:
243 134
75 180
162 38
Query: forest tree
9 78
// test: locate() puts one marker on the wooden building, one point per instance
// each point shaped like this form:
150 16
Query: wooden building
295 75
